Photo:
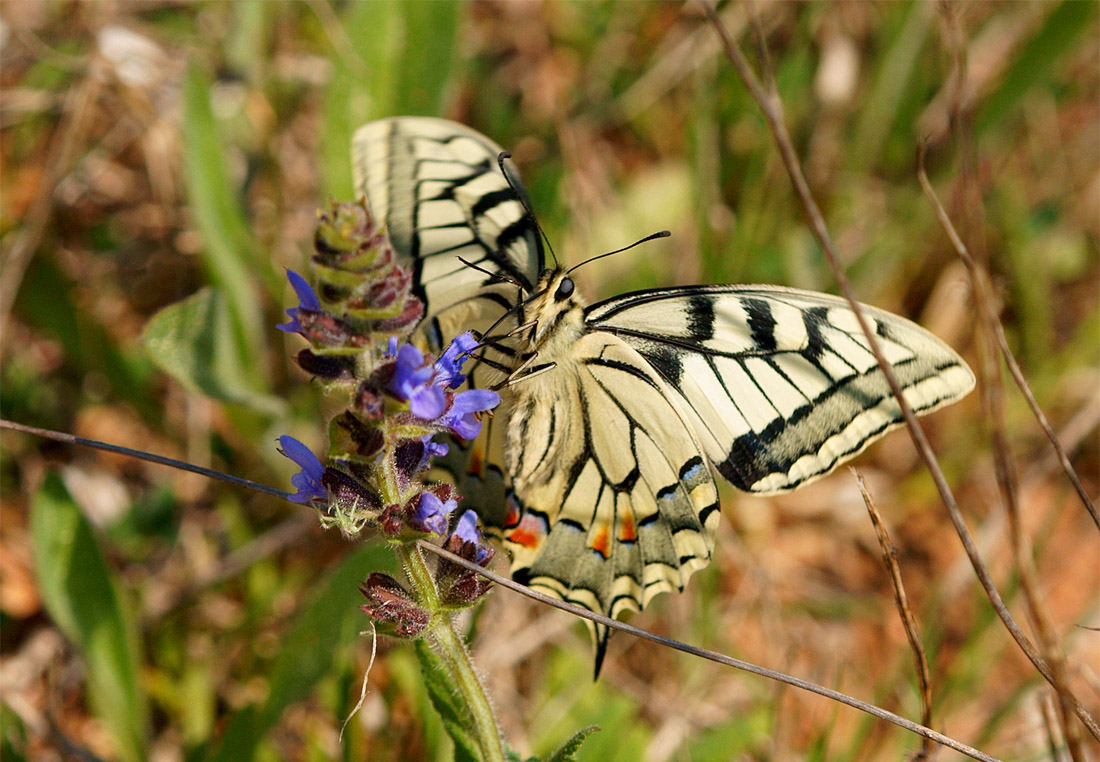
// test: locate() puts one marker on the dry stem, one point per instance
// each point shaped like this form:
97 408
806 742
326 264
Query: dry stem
890 559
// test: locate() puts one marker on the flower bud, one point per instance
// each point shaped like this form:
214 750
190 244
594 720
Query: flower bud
389 603
343 237
458 586
327 367
347 495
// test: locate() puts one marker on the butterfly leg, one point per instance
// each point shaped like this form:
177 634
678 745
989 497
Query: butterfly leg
523 372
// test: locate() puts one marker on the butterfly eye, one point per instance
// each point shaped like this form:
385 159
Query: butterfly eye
565 289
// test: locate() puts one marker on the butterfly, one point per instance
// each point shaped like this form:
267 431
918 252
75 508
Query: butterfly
598 470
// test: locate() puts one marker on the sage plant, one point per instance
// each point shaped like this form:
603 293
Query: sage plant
358 324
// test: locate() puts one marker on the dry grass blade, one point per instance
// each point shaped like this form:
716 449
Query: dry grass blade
1007 479
890 559
718 658
772 108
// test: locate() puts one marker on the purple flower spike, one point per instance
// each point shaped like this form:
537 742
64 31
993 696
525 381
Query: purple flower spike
307 300
432 513
448 368
462 418
308 480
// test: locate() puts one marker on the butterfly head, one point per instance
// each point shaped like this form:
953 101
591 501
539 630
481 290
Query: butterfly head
555 310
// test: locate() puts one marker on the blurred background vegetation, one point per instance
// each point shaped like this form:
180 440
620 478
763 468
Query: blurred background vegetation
151 148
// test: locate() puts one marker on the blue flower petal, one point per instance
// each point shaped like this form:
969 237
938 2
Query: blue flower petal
307 300
448 367
410 373
306 296
476 400
431 512
462 418
427 402
467 531
308 480
467 528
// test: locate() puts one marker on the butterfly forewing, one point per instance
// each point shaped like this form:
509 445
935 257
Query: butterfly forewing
440 191
781 384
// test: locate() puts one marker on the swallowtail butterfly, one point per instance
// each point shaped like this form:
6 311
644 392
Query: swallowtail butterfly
597 470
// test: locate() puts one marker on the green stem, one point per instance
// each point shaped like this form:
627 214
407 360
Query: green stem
446 642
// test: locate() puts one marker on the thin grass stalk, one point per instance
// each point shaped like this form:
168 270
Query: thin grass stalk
772 108
984 302
901 600
1051 726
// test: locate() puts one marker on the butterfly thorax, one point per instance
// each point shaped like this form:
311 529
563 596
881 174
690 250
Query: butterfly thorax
544 377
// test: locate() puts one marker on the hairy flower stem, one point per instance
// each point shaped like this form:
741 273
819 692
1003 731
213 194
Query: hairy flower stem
441 633
446 642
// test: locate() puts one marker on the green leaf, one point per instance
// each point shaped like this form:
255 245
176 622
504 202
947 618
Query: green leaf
82 597
247 46
229 247
745 735
408 685
446 703
318 633
310 649
193 341
892 80
360 88
427 54
87 344
389 74
567 752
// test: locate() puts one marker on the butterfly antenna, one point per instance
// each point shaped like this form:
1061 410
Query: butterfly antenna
495 276
179 465
650 237
523 200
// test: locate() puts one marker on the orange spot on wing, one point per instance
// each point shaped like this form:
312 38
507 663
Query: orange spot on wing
512 517
602 542
628 533
529 533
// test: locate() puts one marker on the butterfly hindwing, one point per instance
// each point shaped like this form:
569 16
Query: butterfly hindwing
781 384
616 499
